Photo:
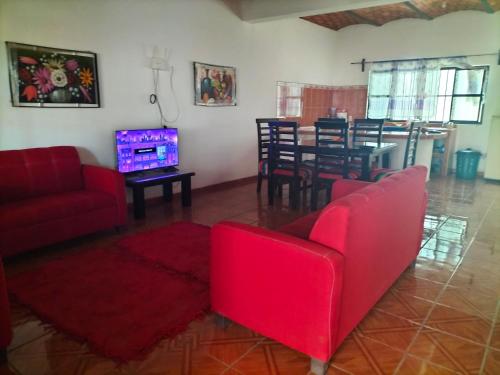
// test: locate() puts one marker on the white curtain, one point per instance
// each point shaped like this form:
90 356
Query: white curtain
407 90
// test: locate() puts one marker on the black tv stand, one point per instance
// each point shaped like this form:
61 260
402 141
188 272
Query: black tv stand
165 177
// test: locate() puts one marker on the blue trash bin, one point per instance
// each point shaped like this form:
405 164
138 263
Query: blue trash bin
467 163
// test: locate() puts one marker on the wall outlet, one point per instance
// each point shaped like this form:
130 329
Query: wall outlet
158 63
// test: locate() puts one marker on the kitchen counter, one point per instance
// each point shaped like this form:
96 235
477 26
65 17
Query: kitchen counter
424 150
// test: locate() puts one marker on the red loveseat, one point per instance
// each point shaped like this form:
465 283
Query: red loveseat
47 196
310 283
5 326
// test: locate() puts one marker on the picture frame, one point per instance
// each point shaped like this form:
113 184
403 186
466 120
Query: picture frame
214 85
48 77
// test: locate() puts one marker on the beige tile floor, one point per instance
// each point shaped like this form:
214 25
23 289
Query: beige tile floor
441 317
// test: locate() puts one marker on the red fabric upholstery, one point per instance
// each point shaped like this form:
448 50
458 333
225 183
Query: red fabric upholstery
280 286
309 294
52 207
304 173
108 181
5 325
378 230
71 200
300 227
346 187
337 175
38 171
263 167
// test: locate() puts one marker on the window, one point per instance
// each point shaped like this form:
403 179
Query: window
449 94
289 103
461 95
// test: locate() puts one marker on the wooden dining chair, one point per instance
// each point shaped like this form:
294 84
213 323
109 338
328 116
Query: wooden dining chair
263 138
410 155
412 144
331 157
367 130
285 165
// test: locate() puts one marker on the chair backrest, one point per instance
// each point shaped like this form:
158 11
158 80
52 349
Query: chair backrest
331 147
367 130
412 143
263 137
283 146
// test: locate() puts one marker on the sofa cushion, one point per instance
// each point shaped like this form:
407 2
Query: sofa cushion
39 171
52 207
300 227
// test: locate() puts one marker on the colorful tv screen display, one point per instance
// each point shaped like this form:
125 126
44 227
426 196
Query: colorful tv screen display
145 149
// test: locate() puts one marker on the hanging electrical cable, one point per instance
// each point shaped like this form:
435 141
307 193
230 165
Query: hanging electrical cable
154 97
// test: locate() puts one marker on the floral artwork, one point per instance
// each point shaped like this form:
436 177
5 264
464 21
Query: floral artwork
214 85
52 77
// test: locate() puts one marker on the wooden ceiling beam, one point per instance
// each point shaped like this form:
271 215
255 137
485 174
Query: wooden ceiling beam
417 10
487 7
362 19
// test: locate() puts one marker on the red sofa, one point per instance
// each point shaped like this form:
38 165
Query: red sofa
5 326
310 283
47 196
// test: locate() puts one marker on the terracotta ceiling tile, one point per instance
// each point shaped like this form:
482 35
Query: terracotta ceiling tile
426 9
335 21
387 13
436 8
494 4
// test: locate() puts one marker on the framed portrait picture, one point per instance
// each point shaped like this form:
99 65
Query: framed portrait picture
52 77
214 85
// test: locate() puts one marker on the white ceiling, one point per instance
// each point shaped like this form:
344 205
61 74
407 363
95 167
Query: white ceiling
268 10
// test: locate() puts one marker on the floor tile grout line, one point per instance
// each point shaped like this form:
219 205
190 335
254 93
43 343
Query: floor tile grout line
11 350
231 365
430 362
340 368
490 336
400 351
478 312
445 285
11 366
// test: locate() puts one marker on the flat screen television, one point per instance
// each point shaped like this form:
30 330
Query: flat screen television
146 149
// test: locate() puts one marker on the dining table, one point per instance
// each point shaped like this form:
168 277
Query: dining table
367 151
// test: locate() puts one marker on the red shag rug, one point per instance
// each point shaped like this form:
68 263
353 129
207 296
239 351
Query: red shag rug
123 299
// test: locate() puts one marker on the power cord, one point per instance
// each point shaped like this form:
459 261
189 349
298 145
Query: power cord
154 97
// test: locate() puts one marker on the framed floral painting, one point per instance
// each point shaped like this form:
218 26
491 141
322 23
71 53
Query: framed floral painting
214 85
52 77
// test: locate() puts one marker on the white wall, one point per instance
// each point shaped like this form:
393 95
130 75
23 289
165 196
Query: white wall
219 144
467 32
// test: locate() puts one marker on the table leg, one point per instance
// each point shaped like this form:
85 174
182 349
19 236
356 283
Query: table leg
186 191
386 160
365 167
139 204
167 191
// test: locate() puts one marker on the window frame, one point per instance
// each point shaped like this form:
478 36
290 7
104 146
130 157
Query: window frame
481 96
286 98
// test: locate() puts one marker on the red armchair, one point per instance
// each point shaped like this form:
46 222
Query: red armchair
309 292
5 326
48 196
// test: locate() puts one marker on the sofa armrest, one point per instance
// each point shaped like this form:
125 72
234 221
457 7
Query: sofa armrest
108 181
5 325
342 188
281 286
